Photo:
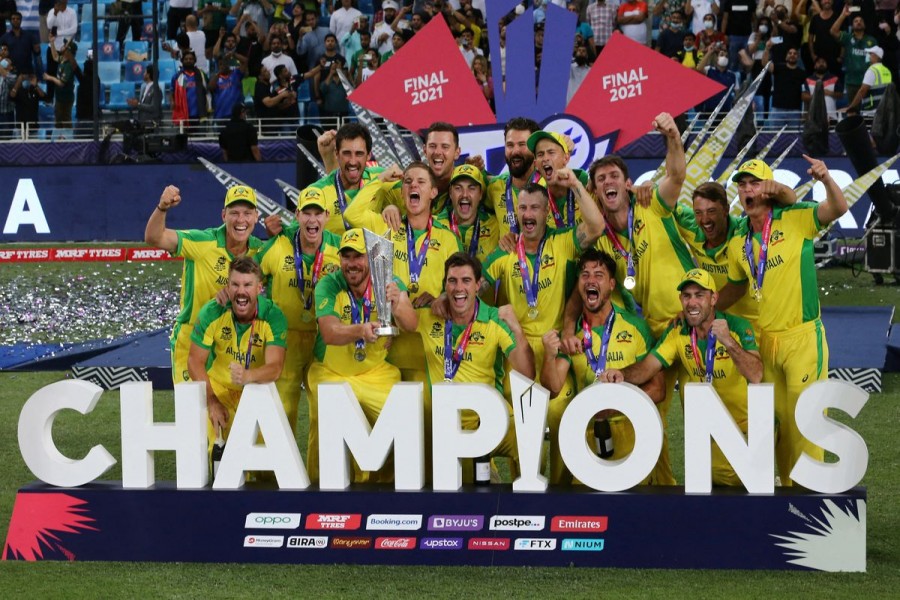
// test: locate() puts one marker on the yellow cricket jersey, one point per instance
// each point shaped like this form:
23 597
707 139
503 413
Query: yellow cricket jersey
790 294
205 270
333 299
276 259
393 194
496 197
629 342
335 223
489 342
730 385
560 251
660 257
228 341
488 233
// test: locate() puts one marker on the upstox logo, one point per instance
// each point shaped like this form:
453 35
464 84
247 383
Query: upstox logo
272 521
583 545
535 544
517 523
394 522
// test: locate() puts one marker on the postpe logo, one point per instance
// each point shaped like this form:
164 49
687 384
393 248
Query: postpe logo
272 521
517 522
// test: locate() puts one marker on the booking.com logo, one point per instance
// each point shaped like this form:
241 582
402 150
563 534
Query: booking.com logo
272 521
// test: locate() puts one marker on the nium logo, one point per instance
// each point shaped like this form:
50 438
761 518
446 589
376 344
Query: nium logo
395 543
441 544
314 542
535 544
272 521
264 541
394 522
489 544
455 523
333 521
351 543
579 524
517 522
582 544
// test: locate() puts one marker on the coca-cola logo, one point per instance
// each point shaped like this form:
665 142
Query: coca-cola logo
395 543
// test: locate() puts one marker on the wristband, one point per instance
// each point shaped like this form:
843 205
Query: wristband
160 209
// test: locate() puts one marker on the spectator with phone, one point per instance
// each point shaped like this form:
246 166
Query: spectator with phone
855 44
710 38
344 19
752 58
786 33
63 25
788 80
821 43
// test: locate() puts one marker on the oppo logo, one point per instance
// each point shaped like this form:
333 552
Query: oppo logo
272 521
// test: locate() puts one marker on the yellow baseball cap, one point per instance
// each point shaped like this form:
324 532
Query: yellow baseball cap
240 193
469 171
353 239
535 137
700 277
311 197
756 168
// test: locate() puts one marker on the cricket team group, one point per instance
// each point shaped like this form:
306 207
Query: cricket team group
568 276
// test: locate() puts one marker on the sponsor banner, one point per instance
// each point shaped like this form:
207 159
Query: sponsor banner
395 543
263 541
333 521
272 521
310 542
579 524
351 543
582 545
394 522
455 523
517 523
535 544
488 543
441 544
96 254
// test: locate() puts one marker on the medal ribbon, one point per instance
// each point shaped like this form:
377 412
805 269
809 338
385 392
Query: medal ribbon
510 207
416 260
453 358
530 282
710 353
629 260
759 272
341 198
355 316
314 273
476 233
597 363
570 210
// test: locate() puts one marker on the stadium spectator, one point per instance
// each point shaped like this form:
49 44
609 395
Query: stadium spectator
8 79
482 73
418 21
671 39
285 107
42 8
133 10
330 93
197 43
250 47
384 30
366 66
365 43
238 139
632 19
737 24
175 16
874 83
344 19
578 70
31 11
277 57
226 49
718 72
688 55
352 42
398 40
821 42
189 92
258 12
752 58
149 101
212 13
601 16
855 45
226 88
766 8
7 8
23 45
786 27
697 12
262 102
709 36
62 24
311 43
788 80
583 28
466 46
64 82
664 9
831 85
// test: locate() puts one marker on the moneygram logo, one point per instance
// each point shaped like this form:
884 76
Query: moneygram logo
264 541
535 544
272 521
333 521
583 545
455 523
351 543
314 542
579 524
396 522
395 543
441 544
517 523
489 544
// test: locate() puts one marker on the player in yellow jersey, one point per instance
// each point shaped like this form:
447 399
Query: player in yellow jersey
476 337
774 251
475 228
713 347
292 264
207 254
551 153
236 344
348 349
503 190
611 338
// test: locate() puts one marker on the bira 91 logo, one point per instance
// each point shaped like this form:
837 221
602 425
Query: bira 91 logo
455 523
489 544
351 543
395 543
333 521
517 523
536 544
263 541
312 542
579 524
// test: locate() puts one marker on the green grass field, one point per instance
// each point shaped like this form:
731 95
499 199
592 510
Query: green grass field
75 434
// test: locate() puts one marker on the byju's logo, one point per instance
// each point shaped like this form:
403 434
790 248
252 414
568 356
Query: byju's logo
272 521
535 544
455 523
582 545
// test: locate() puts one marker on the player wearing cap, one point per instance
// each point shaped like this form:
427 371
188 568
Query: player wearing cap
239 343
551 154
475 228
476 338
713 347
611 338
347 348
773 250
207 254
292 264
503 190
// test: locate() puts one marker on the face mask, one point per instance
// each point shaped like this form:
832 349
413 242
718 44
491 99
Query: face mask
708 24
4 63
25 84
675 26
764 29
688 48
276 54
723 61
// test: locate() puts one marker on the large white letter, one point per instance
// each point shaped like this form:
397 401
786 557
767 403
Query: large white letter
343 426
260 412
36 434
530 402
611 475
451 441
705 417
853 455
26 195
186 436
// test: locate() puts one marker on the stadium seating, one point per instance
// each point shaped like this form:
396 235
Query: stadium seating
167 69
164 86
109 72
137 51
119 93
109 51
134 70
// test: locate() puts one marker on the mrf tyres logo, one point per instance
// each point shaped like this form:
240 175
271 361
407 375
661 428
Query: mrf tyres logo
455 523
517 522
272 521
535 544
333 521
579 524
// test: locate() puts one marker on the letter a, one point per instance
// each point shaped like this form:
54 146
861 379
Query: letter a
26 196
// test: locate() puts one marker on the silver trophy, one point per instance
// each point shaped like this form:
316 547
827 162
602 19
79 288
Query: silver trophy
380 251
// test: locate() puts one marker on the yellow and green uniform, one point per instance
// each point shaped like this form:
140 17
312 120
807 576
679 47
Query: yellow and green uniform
792 338
490 340
371 379
675 348
277 261
496 197
205 272
629 342
227 340
561 202
488 233
335 223
393 194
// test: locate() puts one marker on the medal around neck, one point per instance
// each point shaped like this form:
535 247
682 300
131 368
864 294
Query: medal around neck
380 252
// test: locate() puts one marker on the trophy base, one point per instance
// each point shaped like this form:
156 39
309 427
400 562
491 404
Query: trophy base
387 330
